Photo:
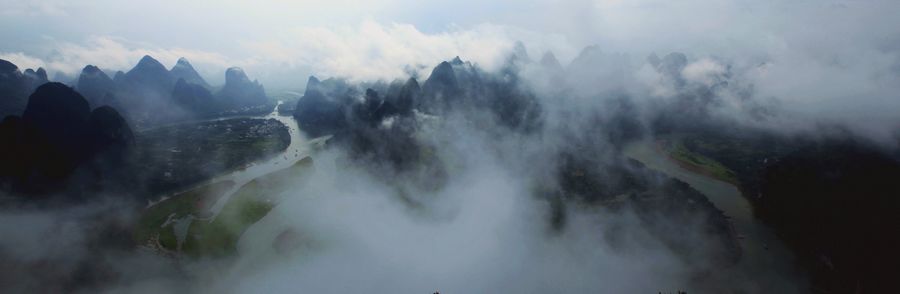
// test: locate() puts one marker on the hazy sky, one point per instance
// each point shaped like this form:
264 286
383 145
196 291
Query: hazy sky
832 48
815 59
262 35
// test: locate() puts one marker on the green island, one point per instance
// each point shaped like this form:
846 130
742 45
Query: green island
216 235
675 147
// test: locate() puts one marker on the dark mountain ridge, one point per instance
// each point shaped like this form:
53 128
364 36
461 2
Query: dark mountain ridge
58 135
149 94
15 86
379 127
184 70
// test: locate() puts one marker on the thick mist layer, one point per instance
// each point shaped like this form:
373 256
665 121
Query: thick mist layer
814 61
484 229
502 169
366 223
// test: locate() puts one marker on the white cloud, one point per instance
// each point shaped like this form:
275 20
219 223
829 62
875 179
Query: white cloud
826 58
374 51
34 8
22 60
704 71
368 51
111 54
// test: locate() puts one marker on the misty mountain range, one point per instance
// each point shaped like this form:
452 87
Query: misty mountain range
58 133
15 86
55 135
557 135
385 122
147 95
450 146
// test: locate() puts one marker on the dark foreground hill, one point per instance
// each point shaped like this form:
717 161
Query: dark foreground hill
58 138
837 205
834 202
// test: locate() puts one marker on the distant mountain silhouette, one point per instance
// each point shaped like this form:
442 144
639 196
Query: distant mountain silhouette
151 94
441 86
594 71
12 89
671 65
195 97
459 84
519 55
96 86
7 67
239 91
317 113
380 120
549 62
145 92
35 78
119 77
148 94
15 86
330 107
184 70
150 73
588 56
405 99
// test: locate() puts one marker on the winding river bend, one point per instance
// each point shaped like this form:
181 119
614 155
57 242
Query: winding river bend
766 262
296 150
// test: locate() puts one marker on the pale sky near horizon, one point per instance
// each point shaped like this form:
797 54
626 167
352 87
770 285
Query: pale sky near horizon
280 42
63 35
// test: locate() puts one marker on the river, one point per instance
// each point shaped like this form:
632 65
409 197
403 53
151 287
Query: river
298 148
766 263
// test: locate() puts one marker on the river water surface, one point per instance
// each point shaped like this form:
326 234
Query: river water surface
765 263
298 148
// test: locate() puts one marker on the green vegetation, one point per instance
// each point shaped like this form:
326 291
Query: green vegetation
167 238
219 236
248 205
746 154
193 202
179 156
696 162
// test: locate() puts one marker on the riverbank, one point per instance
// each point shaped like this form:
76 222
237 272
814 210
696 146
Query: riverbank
766 264
678 153
178 157
170 220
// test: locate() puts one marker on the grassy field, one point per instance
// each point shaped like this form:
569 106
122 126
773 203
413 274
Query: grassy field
217 236
153 221
249 204
676 149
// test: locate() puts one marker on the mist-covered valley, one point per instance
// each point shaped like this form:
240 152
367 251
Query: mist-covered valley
531 148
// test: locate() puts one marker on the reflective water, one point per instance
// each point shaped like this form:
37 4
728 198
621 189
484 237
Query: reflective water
765 260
